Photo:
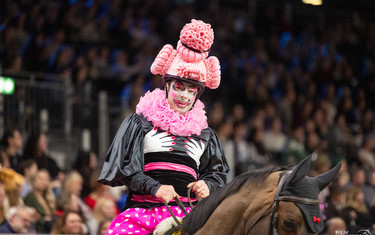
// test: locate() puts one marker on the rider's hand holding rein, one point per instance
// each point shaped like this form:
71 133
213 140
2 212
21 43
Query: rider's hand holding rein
167 193
200 188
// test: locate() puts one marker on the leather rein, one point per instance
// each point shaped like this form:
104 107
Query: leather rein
273 208
181 206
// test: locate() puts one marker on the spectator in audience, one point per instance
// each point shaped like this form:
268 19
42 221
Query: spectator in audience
2 202
335 200
4 159
366 156
257 153
241 147
99 190
36 148
73 184
18 220
343 178
369 189
275 140
358 177
321 164
28 169
312 143
103 227
334 226
68 201
12 143
225 132
70 222
85 164
295 150
355 213
43 200
105 210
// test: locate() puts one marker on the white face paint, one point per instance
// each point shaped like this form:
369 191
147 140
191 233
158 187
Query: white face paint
181 96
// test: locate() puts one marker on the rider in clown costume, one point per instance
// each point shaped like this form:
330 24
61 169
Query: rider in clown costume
167 147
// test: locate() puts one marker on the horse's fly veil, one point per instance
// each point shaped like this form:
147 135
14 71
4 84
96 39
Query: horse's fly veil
300 185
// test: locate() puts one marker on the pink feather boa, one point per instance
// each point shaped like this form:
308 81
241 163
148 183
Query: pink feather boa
154 106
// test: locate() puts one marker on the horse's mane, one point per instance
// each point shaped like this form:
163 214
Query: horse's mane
200 214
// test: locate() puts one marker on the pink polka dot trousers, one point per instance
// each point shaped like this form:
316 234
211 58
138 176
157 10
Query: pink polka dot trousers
141 221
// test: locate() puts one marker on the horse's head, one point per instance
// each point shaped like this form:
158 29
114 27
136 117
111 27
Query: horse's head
263 200
296 202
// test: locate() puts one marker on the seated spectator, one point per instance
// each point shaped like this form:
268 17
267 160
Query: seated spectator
295 150
366 156
103 227
2 202
12 143
355 213
4 159
241 148
275 140
43 200
343 177
99 190
257 153
73 184
333 226
85 164
18 220
335 201
104 210
69 223
28 169
68 201
369 189
321 164
36 148
358 177
224 132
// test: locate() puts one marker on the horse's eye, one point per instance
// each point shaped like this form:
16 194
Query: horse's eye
290 225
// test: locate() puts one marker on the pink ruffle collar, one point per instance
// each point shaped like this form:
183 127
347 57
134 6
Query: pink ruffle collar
154 106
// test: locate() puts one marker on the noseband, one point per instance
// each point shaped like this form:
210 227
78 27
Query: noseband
273 208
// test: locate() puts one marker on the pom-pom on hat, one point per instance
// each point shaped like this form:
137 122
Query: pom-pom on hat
189 61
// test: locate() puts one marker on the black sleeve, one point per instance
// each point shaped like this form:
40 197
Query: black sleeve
214 167
124 163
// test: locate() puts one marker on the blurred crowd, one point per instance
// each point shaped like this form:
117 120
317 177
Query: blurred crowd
38 197
292 85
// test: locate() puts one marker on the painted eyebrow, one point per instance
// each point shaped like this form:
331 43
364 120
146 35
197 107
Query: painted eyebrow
178 83
190 86
186 85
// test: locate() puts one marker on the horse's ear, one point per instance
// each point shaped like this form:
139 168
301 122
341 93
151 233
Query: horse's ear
299 172
324 179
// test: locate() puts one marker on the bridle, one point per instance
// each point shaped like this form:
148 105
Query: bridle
273 208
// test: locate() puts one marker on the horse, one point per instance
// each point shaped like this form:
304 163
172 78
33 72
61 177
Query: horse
266 201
